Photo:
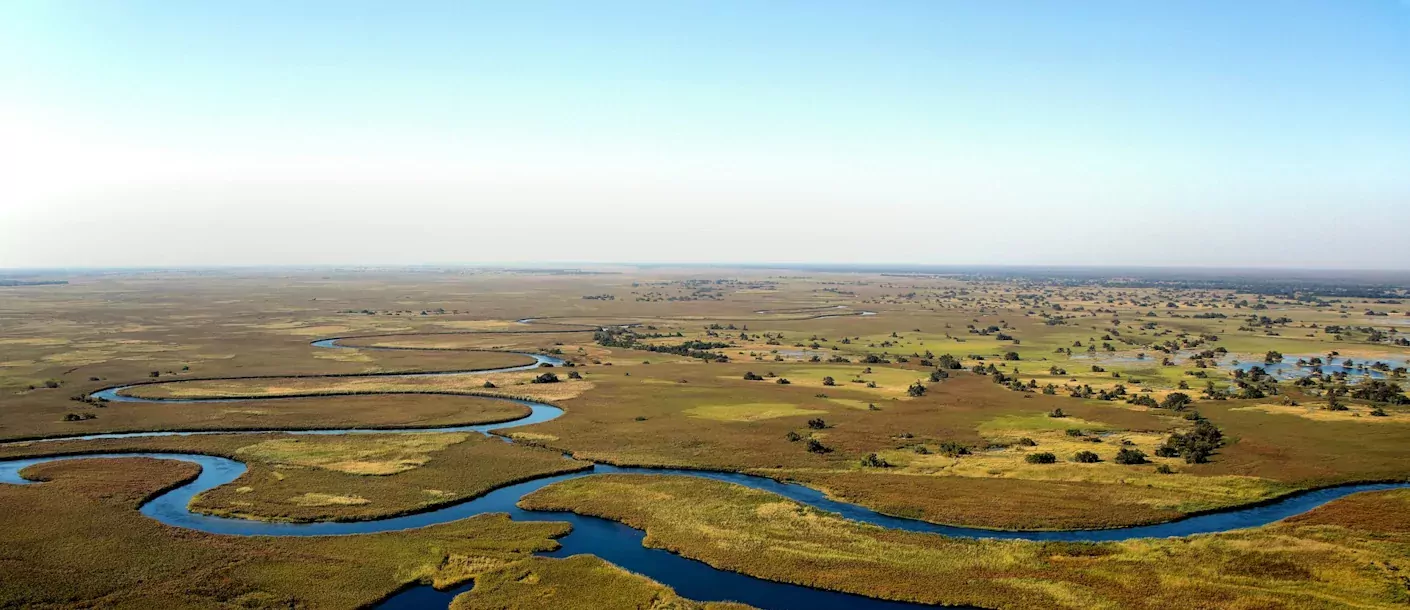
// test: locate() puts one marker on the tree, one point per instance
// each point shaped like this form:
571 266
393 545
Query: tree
872 461
1086 457
1011 356
1195 446
1176 401
1128 455
1378 390
938 374
1040 458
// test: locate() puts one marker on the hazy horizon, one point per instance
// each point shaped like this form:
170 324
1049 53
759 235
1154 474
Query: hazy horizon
1250 135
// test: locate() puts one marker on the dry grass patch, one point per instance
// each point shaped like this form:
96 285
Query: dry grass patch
752 411
1318 412
381 454
318 499
580 582
506 384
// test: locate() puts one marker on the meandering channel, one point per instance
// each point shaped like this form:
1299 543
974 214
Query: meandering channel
607 539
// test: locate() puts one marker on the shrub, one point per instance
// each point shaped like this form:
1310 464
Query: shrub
872 461
1074 432
782 381
545 378
793 437
817 423
1086 457
916 389
1057 413
1164 469
1176 401
1377 390
750 376
574 375
829 381
816 447
489 385
1128 455
1027 442
953 449
1195 446
1040 458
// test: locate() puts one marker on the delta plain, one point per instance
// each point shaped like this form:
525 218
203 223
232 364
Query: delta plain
698 437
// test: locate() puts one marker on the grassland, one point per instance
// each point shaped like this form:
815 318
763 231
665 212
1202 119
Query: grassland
580 582
518 384
78 540
353 477
1327 559
633 406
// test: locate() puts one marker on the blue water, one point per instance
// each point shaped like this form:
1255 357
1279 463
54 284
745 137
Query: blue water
614 541
1288 370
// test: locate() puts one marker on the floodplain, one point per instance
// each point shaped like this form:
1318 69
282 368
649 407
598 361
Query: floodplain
987 401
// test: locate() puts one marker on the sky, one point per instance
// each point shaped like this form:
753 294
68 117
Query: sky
1165 133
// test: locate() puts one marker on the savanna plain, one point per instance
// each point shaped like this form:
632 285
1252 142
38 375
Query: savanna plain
992 401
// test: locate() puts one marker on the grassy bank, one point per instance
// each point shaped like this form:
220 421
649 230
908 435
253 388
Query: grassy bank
1328 559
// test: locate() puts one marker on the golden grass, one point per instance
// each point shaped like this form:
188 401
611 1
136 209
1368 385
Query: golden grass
318 499
580 582
750 411
507 384
375 455
1317 411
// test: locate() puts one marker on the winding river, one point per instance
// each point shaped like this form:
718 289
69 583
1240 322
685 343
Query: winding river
608 539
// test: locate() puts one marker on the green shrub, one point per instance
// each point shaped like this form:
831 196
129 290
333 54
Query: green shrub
1128 455
1086 457
1040 458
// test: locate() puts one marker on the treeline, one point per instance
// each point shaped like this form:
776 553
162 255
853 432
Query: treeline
4 282
624 338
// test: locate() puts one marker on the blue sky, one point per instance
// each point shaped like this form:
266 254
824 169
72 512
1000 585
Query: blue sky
1157 133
